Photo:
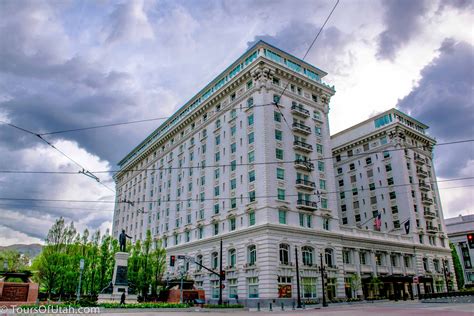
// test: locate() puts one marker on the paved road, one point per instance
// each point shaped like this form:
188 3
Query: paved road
376 309
407 308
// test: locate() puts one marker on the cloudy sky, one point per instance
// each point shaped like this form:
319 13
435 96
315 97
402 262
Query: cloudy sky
71 64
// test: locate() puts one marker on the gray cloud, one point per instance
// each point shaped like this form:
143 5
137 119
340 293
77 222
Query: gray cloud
402 20
443 99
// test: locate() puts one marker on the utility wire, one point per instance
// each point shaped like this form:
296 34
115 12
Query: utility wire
307 51
237 164
84 171
229 198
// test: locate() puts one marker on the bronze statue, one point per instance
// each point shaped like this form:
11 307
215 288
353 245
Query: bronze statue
123 240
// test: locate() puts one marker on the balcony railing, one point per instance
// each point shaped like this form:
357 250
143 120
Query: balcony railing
419 160
429 214
305 184
299 110
301 128
302 146
306 204
426 200
431 229
304 164
424 187
422 173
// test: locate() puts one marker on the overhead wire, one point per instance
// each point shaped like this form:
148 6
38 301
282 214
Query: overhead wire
237 164
84 170
226 198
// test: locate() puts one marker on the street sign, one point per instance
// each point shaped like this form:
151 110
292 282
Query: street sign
416 280
180 257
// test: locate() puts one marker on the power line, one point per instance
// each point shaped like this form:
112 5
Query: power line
307 51
229 198
84 171
237 164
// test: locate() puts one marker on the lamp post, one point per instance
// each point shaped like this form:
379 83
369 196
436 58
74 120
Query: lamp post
297 279
81 268
323 272
181 273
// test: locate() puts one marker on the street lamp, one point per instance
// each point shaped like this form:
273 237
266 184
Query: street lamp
181 274
322 269
81 268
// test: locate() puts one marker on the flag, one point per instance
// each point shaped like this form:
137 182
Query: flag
407 226
378 221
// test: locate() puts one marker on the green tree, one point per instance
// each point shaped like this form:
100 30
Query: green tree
355 283
15 261
457 266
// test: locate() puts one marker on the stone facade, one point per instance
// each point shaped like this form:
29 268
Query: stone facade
247 160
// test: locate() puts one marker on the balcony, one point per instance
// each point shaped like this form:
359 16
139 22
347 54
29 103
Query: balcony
397 270
349 267
305 184
301 128
431 229
304 165
421 173
306 205
424 187
299 145
426 201
429 215
299 110
366 268
419 160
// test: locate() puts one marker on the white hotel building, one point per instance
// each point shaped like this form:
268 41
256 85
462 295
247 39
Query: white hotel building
232 165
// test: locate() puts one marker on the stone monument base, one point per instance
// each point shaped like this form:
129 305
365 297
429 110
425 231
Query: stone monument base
115 298
119 285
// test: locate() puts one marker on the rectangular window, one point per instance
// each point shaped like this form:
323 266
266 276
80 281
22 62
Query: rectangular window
277 116
233 130
282 216
279 153
233 203
216 191
321 166
301 216
218 139
251 218
322 184
278 135
233 148
251 138
216 208
319 148
233 165
251 157
317 130
250 120
281 194
233 184
252 176
280 174
252 196
252 287
232 224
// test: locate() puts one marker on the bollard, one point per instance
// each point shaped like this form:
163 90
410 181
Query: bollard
293 305
282 306
258 306
271 309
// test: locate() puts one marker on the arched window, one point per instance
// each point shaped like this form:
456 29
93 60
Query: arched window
308 255
214 260
251 255
232 258
284 253
198 260
328 254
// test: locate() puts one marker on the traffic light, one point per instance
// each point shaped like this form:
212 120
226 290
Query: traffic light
222 275
172 260
470 240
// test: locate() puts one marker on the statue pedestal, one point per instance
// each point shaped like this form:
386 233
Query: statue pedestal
119 281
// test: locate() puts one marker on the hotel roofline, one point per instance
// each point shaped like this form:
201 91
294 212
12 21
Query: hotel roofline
247 58
392 110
